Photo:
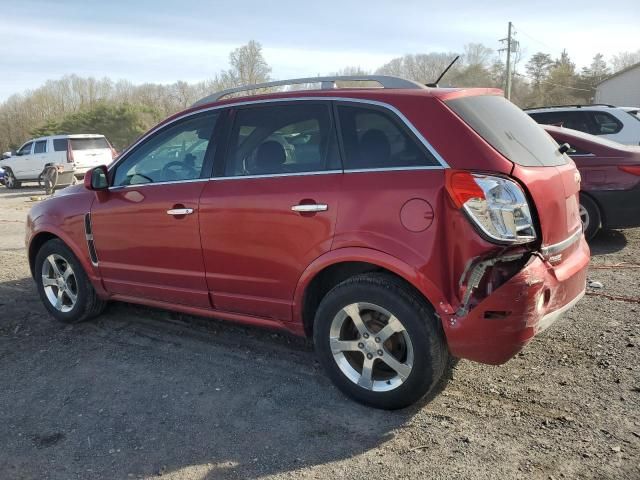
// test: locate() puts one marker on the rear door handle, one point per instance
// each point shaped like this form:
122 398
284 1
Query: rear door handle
180 211
313 207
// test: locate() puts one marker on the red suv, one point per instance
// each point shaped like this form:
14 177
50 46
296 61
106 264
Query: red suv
396 226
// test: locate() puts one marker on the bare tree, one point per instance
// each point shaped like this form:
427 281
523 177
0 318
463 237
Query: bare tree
477 54
625 59
424 68
248 66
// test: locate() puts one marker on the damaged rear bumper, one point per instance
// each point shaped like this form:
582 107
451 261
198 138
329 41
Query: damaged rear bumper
500 325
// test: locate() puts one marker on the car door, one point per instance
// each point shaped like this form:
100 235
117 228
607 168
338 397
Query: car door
21 161
271 208
38 159
146 225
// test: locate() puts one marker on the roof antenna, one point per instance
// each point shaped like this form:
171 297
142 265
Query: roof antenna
435 84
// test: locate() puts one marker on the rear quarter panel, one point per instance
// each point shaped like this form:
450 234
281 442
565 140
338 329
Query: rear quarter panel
374 214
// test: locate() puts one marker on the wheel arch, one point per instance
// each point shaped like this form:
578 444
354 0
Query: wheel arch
36 244
47 232
338 265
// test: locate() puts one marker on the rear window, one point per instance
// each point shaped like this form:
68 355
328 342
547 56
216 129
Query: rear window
60 144
509 130
88 143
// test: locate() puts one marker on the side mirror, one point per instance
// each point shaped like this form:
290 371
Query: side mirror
96 179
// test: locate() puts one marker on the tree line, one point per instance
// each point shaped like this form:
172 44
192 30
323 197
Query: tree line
122 111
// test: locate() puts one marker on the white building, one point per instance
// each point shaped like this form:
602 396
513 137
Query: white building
621 89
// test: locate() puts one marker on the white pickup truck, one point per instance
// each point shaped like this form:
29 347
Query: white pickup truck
75 152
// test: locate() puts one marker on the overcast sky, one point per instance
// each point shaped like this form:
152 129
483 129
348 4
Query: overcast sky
164 41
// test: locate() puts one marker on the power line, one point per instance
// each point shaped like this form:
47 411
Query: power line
552 49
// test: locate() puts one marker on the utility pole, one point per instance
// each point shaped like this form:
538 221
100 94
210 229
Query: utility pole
509 63
511 47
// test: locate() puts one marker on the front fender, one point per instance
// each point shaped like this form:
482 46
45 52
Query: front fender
70 238
383 260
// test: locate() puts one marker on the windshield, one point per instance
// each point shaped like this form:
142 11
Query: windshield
509 130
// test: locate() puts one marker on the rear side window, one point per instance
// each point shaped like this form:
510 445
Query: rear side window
88 143
40 147
60 144
374 138
273 140
605 123
509 130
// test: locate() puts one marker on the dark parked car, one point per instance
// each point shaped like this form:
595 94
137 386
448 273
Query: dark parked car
610 191
396 226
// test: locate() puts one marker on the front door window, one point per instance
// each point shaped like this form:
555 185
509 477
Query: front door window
175 154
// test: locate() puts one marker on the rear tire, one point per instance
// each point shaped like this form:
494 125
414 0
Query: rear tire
10 180
393 354
63 285
590 216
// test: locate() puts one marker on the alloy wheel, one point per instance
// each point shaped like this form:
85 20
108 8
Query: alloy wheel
59 282
584 217
371 347
10 179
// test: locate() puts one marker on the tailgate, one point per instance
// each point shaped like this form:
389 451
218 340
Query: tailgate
90 151
91 158
554 191
549 176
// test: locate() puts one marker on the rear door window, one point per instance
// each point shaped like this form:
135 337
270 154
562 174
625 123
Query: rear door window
40 147
282 139
509 130
604 123
373 139
576 120
88 143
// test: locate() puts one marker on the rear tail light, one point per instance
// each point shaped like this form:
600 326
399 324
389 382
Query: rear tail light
496 205
632 169
114 153
69 152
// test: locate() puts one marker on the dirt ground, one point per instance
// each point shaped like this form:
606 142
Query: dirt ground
139 393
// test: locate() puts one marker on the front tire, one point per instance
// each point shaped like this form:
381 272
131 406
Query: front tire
590 217
10 180
63 285
379 341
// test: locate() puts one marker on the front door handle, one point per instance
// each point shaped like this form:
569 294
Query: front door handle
310 207
180 211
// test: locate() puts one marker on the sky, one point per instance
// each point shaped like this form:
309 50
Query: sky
163 41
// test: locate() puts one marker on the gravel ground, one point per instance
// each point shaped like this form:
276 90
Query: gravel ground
139 393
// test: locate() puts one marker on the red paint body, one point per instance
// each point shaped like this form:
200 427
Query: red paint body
610 174
245 256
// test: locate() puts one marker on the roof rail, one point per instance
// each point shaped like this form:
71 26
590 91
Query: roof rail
326 83
575 105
